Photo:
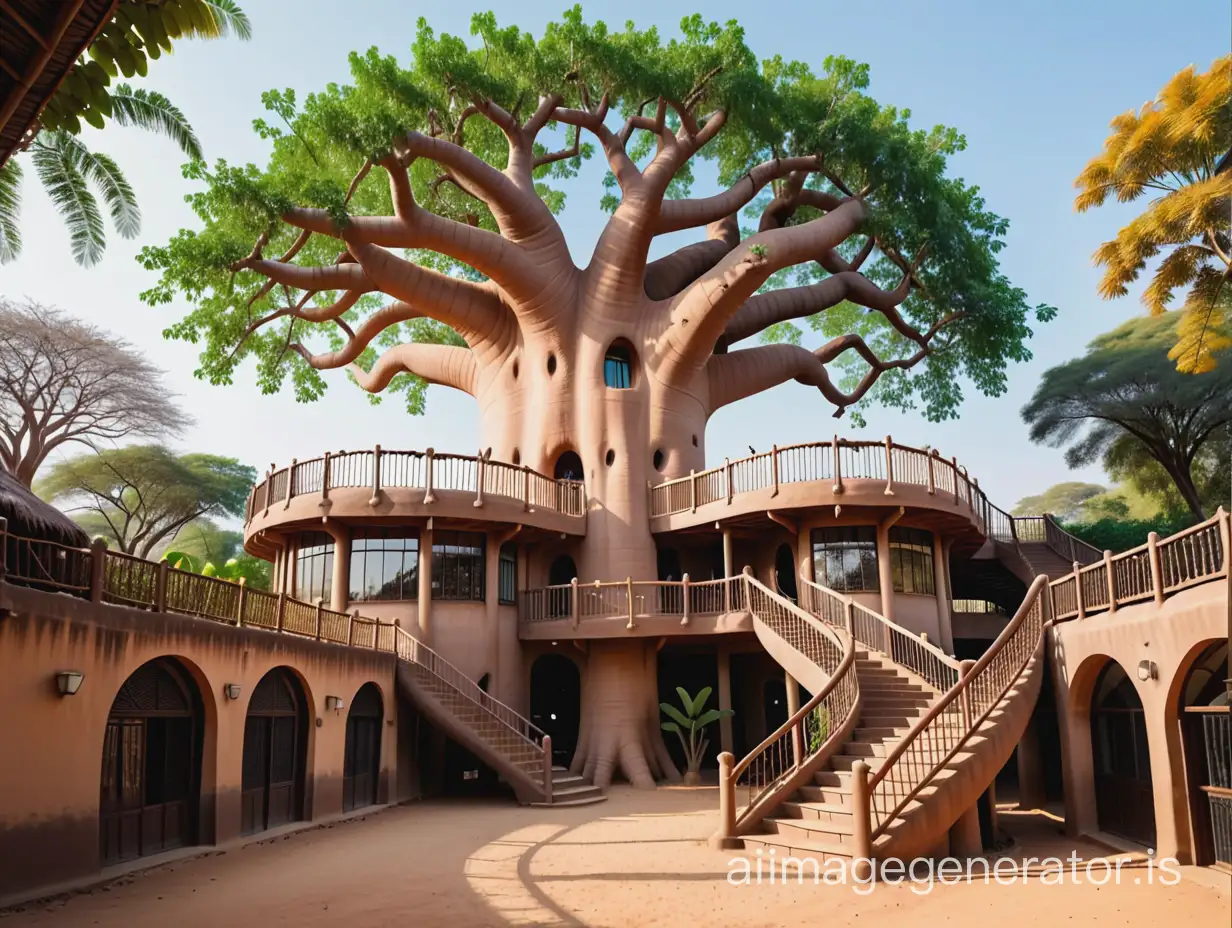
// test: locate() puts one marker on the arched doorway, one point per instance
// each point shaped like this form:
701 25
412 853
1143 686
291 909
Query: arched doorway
556 703
1124 800
568 467
361 765
275 748
151 773
785 572
561 573
1206 728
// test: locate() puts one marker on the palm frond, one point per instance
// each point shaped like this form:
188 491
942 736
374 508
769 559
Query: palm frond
149 109
56 165
10 209
230 18
101 171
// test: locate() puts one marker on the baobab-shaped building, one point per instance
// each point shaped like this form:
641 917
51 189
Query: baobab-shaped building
876 623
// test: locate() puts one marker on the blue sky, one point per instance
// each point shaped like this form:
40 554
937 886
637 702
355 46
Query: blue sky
1032 86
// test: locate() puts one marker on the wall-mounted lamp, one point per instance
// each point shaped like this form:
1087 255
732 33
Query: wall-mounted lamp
334 702
68 682
1147 670
231 690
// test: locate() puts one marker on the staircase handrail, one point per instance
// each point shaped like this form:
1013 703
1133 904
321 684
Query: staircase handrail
950 722
1068 545
413 651
815 728
903 646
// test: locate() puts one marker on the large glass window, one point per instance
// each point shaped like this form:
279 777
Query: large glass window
457 565
314 566
384 565
911 559
845 558
508 590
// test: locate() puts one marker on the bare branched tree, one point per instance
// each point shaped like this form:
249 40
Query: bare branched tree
64 381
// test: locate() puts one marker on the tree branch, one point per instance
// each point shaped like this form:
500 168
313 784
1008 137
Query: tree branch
669 275
447 365
690 213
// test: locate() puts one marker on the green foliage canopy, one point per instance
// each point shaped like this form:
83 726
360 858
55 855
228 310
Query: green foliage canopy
323 144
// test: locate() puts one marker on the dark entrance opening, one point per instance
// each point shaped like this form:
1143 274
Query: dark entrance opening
785 572
671 598
556 703
692 667
1206 730
275 750
774 696
561 574
568 467
361 765
151 774
1124 800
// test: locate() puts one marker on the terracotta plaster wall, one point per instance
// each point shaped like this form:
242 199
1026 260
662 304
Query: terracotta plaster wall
49 771
1171 637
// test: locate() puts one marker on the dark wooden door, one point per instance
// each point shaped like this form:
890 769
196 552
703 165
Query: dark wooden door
1124 798
273 767
149 782
362 761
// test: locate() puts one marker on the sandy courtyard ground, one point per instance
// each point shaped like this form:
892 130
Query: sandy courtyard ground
639 859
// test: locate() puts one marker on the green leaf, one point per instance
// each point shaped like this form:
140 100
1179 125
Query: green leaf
685 700
229 18
110 181
708 718
670 726
70 194
10 210
699 701
150 110
676 715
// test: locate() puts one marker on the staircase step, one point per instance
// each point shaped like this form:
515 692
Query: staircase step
788 846
830 778
802 829
818 811
847 761
827 795
584 801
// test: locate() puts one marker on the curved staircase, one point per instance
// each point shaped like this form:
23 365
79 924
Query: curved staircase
502 738
924 737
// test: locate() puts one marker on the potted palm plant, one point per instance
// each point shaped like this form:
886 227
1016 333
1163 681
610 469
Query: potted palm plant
689 727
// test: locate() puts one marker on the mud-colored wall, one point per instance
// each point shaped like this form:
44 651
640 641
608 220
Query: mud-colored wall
1171 637
50 766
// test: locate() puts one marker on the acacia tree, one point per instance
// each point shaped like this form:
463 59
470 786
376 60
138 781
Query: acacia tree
141 496
1124 403
63 382
435 184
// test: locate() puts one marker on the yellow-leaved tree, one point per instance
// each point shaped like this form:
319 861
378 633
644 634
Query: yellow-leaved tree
1170 150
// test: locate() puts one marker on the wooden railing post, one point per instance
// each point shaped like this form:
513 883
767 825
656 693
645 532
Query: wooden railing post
849 618
1157 567
889 446
290 483
964 668
241 602
973 489
838 469
376 631
932 480
325 475
727 472
774 467
1078 598
160 587
547 768
268 487
954 465
629 596
861 823
1111 578
480 463
692 491
320 616
525 487
376 476
282 610
684 590
575 606
429 459
350 630
98 564
727 799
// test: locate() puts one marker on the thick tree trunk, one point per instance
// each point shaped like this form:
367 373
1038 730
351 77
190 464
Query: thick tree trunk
1182 476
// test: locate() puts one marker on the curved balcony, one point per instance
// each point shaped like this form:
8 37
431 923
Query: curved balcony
354 485
829 473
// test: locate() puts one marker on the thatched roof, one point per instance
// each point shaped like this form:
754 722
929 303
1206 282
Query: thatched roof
30 517
39 41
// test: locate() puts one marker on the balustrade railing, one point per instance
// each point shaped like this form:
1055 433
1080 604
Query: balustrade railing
630 600
426 470
1150 571
836 460
765 771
